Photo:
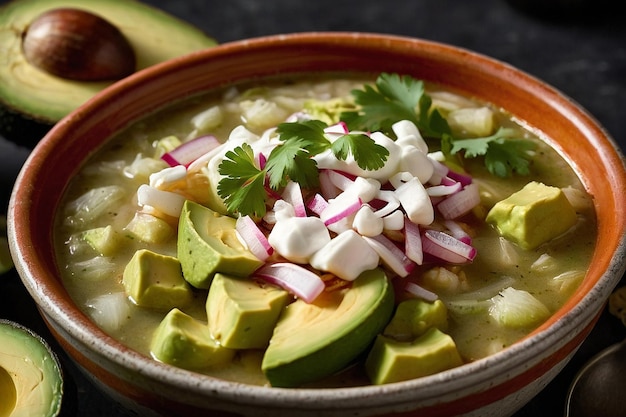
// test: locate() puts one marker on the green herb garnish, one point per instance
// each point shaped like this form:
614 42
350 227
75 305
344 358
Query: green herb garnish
377 108
243 187
403 98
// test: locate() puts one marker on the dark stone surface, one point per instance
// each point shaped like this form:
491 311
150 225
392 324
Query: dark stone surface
577 46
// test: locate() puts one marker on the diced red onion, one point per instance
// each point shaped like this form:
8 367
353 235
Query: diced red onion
447 248
439 173
327 188
457 231
391 255
462 178
444 189
293 195
420 292
460 203
340 207
253 237
262 160
191 150
341 128
413 242
297 280
317 204
388 203
340 180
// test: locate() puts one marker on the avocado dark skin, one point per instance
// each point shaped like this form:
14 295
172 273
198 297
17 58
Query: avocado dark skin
21 129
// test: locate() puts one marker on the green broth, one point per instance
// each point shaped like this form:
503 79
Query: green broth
550 273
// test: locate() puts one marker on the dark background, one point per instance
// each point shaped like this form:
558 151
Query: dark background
577 46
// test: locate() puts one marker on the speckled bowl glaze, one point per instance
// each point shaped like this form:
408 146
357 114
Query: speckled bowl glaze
495 386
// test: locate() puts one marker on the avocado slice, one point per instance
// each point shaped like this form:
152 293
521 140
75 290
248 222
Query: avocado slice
31 380
316 340
242 312
414 316
155 281
533 215
184 341
104 240
33 95
208 243
394 361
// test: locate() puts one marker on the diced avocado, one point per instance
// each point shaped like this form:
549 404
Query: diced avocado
242 313
312 341
533 215
149 229
155 281
35 99
184 341
31 379
413 317
394 361
104 240
208 243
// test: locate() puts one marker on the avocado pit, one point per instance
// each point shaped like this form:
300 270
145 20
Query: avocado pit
78 45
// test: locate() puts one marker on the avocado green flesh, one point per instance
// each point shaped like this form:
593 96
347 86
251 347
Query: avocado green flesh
208 243
31 382
184 341
154 35
316 340
241 313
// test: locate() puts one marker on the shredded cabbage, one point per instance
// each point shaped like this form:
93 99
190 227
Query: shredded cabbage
517 308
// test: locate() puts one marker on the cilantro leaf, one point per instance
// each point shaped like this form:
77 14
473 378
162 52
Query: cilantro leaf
394 98
368 154
242 187
506 156
503 155
292 160
310 133
431 123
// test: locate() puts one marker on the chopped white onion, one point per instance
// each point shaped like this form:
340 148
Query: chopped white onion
164 201
416 202
167 176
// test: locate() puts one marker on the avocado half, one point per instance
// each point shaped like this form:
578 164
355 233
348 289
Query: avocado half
30 96
31 379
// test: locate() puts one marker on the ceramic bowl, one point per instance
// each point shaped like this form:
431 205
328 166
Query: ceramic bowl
495 386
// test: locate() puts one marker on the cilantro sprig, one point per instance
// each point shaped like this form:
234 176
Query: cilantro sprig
243 184
398 97
503 154
395 98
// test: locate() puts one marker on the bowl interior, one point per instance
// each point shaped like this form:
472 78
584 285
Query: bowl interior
573 132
